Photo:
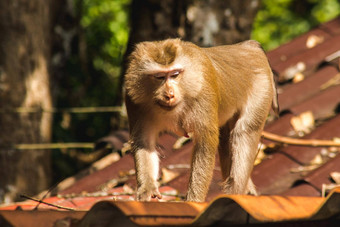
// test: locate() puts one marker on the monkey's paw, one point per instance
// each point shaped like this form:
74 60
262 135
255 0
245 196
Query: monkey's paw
146 193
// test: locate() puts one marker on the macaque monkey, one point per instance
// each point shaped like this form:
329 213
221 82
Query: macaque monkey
221 95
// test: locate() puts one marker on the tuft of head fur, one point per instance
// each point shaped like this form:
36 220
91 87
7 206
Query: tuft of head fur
161 52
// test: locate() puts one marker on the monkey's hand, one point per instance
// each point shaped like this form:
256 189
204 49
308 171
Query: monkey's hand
146 192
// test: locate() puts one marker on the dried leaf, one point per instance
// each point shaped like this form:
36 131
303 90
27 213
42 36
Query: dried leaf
303 123
314 40
335 176
317 160
301 169
314 163
128 189
126 147
130 172
291 71
261 154
327 188
168 175
112 183
298 77
330 152
180 142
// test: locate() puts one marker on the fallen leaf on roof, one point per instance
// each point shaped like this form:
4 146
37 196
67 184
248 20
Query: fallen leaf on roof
168 175
336 177
303 123
327 188
261 155
298 77
302 169
113 183
130 172
126 148
314 40
291 71
317 160
180 142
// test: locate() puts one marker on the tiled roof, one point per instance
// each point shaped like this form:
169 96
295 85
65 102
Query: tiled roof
307 69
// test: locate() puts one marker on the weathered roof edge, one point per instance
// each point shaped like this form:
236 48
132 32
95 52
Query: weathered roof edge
232 209
267 209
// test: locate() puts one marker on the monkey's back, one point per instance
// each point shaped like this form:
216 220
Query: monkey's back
243 72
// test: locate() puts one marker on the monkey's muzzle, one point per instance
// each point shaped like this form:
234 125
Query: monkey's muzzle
166 106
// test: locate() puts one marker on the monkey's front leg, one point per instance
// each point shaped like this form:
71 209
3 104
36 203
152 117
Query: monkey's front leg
202 166
147 167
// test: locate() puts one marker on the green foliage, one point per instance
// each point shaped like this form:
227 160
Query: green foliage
90 76
279 21
91 73
105 23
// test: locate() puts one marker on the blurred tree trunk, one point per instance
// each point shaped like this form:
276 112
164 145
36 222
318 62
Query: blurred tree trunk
24 82
217 22
206 23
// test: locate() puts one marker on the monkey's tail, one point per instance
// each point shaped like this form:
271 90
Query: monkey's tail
275 102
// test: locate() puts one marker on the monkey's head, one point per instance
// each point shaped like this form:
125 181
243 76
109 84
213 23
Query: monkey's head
162 74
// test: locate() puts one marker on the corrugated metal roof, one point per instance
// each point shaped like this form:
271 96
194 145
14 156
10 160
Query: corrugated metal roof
227 209
302 173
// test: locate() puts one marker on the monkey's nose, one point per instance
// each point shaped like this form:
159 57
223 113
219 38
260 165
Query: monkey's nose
169 98
169 94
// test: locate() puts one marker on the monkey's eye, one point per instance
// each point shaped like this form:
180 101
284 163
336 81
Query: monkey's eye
174 74
160 76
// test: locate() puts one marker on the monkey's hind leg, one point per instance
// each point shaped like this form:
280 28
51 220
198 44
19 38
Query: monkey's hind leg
242 150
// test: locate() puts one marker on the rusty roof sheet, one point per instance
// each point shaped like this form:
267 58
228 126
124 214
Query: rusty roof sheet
308 60
293 94
227 209
315 182
324 32
306 52
291 179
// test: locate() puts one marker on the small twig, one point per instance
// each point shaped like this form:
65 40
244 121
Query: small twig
45 195
77 110
49 204
332 82
94 194
300 142
43 146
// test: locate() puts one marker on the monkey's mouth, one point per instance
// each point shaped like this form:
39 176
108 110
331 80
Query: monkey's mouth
166 106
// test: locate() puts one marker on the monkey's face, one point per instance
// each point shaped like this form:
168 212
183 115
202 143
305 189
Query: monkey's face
163 74
167 93
159 88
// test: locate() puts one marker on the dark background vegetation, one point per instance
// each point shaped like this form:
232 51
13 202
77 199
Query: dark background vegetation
84 44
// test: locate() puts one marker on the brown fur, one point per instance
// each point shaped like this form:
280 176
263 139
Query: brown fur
221 95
